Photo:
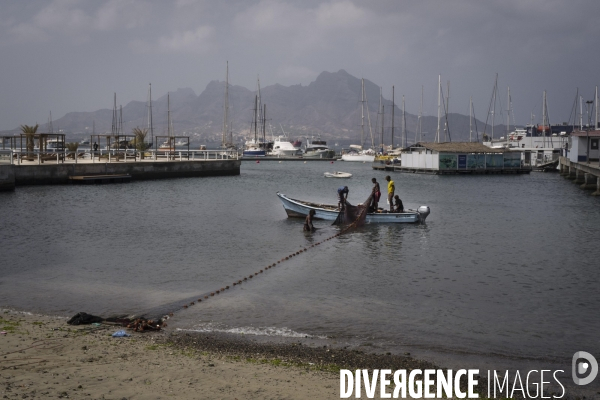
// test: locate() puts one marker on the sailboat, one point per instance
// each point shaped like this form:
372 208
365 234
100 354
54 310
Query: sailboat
357 153
257 146
169 143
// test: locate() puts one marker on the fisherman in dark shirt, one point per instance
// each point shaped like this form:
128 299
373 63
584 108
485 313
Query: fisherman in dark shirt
398 206
308 224
342 196
376 194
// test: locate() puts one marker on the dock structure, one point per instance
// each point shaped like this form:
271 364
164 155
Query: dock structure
60 169
584 174
457 158
581 163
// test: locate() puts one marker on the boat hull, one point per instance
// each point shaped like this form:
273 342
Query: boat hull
337 175
254 153
358 157
300 209
319 154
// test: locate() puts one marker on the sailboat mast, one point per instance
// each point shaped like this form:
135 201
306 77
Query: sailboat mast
580 113
471 119
544 120
264 124
382 119
508 115
256 119
437 132
114 117
494 107
393 107
404 138
381 113
226 107
260 111
150 125
447 108
596 109
420 116
362 112
168 115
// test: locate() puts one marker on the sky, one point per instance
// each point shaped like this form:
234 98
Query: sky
67 55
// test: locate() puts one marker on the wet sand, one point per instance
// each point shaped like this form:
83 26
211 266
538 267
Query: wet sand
43 357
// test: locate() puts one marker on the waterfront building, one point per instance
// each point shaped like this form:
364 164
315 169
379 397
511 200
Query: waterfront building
584 146
460 157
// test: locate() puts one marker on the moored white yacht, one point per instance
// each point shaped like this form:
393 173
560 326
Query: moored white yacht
356 153
317 148
284 148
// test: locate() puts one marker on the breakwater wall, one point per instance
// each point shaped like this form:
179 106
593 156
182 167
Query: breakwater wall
45 174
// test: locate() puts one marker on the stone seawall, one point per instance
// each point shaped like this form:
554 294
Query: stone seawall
7 178
17 175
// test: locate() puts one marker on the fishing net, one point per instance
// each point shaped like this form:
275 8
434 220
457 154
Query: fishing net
354 216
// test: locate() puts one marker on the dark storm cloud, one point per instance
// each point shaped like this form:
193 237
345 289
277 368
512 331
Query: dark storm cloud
68 55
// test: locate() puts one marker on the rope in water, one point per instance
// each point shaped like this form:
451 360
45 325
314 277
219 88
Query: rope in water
208 295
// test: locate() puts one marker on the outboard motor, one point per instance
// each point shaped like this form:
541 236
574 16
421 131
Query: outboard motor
423 213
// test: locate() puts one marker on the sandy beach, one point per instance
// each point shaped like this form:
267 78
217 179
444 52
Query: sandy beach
43 357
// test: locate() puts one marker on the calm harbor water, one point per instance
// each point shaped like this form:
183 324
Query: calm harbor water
505 270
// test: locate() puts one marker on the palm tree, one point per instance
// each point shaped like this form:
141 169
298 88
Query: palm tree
140 137
29 132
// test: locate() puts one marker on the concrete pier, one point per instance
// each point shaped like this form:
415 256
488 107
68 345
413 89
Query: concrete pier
589 181
579 176
44 174
586 175
597 192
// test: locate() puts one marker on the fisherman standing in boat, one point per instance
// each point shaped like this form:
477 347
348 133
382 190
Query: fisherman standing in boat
342 196
391 189
308 224
375 195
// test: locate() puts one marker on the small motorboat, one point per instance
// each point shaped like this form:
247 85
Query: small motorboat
337 174
329 212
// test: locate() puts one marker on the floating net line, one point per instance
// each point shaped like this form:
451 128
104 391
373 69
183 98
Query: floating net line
352 217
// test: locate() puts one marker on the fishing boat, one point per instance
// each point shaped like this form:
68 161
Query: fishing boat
300 209
337 174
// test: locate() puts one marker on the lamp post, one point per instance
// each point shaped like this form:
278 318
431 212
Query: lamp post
587 130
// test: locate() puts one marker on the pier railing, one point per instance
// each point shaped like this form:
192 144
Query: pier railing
35 157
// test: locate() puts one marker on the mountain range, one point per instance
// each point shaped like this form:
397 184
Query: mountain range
329 107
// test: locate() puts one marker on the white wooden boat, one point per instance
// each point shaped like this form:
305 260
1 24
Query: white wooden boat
300 209
337 174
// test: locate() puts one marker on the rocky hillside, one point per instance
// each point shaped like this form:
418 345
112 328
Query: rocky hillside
329 107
